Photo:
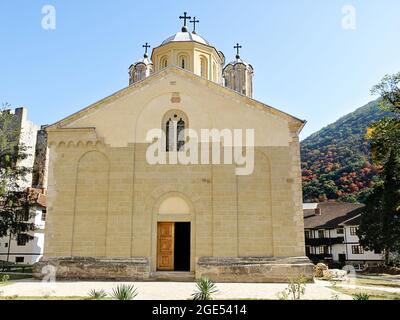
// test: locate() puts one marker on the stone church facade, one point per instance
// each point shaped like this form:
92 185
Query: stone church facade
113 215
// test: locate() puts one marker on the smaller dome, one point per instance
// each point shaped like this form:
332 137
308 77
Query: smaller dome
145 60
186 36
239 61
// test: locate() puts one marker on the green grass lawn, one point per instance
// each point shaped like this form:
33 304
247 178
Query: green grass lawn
374 294
373 283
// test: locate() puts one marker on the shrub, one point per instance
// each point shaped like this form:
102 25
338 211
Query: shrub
124 292
205 289
97 294
4 279
361 296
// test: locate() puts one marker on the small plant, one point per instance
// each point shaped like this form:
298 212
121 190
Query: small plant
334 295
205 289
283 295
124 292
97 294
296 289
361 296
4 279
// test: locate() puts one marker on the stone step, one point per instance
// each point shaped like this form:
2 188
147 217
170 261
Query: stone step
172 276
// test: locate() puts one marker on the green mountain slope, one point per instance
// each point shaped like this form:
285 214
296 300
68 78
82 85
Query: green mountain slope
336 160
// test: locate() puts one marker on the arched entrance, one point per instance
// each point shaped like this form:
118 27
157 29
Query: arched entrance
173 245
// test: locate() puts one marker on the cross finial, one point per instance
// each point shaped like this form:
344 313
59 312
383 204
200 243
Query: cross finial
184 18
146 46
194 21
238 47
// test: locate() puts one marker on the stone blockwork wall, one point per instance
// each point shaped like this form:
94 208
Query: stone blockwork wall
102 202
93 269
254 269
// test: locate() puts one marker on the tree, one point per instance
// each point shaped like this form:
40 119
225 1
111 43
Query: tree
14 202
385 134
380 224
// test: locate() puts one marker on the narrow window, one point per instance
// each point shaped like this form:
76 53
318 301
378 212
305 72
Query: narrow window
44 213
170 135
181 134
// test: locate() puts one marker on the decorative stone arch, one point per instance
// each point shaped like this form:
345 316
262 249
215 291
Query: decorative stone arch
173 122
93 170
261 192
152 205
164 63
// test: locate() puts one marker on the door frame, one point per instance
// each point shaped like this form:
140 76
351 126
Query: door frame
156 218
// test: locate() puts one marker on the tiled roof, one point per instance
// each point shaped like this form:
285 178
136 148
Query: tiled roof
332 214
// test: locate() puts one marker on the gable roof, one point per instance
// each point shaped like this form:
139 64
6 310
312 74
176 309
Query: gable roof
185 73
333 214
355 221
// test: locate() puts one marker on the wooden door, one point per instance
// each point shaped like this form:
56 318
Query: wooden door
165 246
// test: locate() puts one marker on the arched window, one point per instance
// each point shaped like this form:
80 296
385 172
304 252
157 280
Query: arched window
163 63
203 67
174 124
183 61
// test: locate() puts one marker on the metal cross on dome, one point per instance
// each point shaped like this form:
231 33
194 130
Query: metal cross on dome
146 46
184 18
194 21
238 47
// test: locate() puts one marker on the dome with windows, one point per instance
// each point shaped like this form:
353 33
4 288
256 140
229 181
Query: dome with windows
141 69
239 61
186 37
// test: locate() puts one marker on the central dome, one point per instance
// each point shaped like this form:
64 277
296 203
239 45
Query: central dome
186 37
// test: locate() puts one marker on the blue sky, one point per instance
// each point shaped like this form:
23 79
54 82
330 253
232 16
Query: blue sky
305 62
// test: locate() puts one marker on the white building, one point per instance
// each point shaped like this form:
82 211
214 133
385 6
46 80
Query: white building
34 139
17 250
331 235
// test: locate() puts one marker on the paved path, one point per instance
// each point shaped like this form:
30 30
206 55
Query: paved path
163 290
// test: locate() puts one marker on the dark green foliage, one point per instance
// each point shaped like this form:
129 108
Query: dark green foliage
205 289
124 292
380 225
336 161
361 296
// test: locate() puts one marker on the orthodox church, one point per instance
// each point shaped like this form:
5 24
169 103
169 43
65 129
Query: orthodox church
113 213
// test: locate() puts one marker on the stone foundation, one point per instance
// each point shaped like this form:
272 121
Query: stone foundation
249 269
95 269
254 269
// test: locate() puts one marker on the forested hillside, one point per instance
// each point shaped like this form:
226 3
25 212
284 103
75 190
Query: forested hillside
336 161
